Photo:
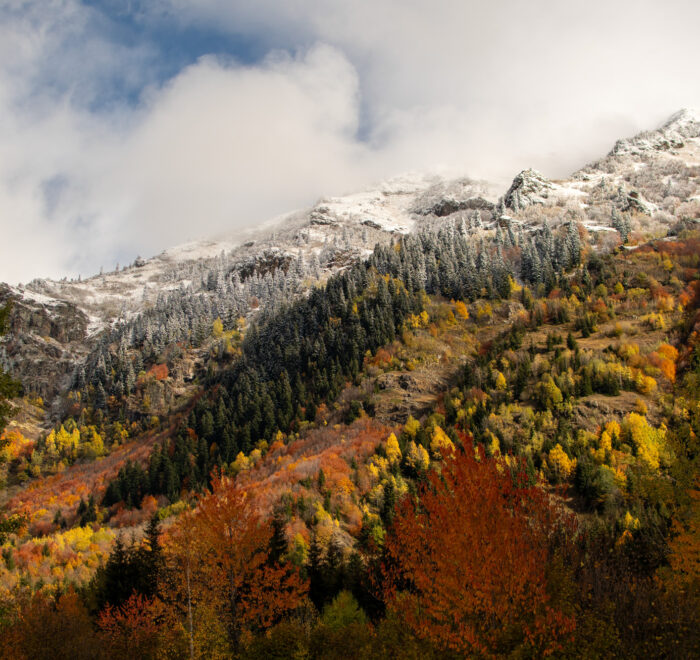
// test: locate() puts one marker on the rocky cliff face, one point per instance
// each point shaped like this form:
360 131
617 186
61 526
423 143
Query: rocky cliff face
45 339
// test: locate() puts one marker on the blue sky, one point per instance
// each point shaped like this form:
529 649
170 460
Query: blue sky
132 126
173 45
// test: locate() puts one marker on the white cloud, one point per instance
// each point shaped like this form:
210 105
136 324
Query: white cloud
223 146
219 147
481 88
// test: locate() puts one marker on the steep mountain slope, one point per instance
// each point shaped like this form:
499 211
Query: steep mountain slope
652 176
320 371
137 343
257 267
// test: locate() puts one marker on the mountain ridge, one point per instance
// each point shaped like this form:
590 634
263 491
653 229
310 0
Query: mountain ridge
318 241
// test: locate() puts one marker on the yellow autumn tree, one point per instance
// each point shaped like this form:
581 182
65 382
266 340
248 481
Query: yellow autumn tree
417 457
411 427
560 465
241 463
548 393
62 442
393 451
611 431
94 447
418 320
440 443
484 311
461 310
645 384
648 442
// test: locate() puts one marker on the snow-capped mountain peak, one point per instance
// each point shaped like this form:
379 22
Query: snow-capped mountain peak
685 122
673 134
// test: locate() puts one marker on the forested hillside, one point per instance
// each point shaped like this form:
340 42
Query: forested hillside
480 439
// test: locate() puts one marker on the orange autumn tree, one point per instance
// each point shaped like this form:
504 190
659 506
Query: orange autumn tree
466 563
249 590
135 629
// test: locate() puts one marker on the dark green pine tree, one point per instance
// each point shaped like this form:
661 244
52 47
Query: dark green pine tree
114 582
149 561
314 568
87 511
332 570
389 503
278 540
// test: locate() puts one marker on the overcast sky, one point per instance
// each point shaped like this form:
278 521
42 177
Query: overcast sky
129 126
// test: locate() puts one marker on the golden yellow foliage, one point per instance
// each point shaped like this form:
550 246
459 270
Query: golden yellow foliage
440 442
417 457
560 464
241 463
393 452
612 429
484 311
548 393
648 442
494 446
411 427
630 522
655 321
418 320
645 384
461 310
628 350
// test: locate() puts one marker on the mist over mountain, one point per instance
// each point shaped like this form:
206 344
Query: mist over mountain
132 127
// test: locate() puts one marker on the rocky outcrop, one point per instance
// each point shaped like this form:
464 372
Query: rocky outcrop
44 341
57 319
446 207
322 216
445 198
404 394
529 187
637 204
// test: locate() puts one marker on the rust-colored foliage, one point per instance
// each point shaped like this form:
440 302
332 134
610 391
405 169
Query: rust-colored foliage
466 563
159 371
232 540
134 629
